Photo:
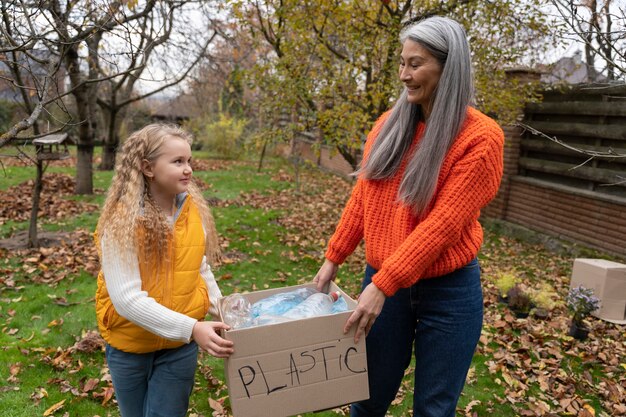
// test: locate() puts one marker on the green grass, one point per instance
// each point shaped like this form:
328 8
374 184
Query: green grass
42 326
256 240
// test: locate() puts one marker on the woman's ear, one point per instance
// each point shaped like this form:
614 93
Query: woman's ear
146 168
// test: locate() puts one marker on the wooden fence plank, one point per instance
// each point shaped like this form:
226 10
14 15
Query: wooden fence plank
581 108
547 146
616 132
599 175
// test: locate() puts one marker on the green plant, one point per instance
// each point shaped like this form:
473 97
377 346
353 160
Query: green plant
519 300
223 137
581 303
505 282
545 297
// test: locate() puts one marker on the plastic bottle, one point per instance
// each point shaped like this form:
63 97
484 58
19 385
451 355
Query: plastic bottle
236 311
268 319
278 304
317 304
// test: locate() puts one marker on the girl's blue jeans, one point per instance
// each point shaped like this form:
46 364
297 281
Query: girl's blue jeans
441 319
156 384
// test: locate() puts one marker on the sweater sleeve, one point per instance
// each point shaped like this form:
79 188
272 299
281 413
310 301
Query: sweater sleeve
471 184
123 281
349 232
214 291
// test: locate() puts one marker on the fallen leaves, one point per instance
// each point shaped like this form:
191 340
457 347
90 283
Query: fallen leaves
16 201
75 252
540 370
90 342
526 354
14 370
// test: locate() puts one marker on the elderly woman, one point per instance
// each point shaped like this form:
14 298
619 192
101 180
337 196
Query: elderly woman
430 164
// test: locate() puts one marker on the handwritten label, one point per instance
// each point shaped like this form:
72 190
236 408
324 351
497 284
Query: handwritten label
302 367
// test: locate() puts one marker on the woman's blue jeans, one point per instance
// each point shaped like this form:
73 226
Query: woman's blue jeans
156 384
442 317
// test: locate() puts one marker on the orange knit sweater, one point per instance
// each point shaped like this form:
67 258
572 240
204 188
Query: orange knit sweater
405 248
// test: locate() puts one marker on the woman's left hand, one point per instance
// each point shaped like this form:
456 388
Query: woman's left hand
370 305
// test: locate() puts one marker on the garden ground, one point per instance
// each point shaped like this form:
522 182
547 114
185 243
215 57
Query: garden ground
272 236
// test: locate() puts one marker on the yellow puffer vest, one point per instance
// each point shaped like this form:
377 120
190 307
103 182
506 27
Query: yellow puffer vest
187 293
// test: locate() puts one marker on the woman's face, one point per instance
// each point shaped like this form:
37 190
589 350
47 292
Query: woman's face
420 72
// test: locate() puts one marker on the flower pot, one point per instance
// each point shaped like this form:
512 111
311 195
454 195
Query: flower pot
541 313
520 314
578 331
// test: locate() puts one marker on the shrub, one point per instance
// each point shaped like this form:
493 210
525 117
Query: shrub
519 300
224 137
545 297
505 282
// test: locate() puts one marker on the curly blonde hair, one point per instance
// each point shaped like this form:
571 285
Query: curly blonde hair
129 206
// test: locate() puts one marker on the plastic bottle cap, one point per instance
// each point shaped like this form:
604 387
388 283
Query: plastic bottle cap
335 295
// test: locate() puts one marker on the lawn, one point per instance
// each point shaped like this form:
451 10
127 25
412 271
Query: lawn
273 236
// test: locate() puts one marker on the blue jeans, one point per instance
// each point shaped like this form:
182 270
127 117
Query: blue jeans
443 316
156 384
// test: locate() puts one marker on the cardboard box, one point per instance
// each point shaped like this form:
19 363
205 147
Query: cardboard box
607 279
305 365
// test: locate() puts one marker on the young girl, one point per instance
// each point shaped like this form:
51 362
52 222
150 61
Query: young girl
156 238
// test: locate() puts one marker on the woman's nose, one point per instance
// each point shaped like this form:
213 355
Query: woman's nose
404 74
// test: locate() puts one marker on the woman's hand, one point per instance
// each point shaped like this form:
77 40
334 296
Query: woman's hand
370 305
327 273
206 336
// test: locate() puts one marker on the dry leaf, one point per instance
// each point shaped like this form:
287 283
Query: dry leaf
54 408
216 405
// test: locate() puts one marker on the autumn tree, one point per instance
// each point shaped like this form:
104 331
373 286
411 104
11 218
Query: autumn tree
334 64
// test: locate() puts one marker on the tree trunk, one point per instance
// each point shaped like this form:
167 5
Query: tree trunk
85 96
262 155
296 160
84 169
112 140
109 151
350 156
33 241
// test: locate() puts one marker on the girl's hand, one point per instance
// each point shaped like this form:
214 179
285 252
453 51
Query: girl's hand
370 305
327 273
206 336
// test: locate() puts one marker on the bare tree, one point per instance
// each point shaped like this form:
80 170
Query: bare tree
601 27
159 39
43 44
34 75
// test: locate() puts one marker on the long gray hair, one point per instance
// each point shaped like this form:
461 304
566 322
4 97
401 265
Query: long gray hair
445 39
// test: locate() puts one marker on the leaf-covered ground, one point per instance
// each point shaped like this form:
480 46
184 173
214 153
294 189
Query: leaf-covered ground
272 236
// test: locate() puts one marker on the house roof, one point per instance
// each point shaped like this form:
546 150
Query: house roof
572 70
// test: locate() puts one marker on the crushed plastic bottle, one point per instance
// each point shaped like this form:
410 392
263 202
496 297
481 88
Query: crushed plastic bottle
236 311
278 304
268 319
340 306
318 304
279 308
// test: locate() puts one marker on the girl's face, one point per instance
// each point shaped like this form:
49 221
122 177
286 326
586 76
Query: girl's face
420 72
171 172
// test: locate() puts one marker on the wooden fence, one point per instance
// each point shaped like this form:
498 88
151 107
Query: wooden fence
550 187
560 191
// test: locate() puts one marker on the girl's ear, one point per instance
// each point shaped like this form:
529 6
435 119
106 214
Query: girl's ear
146 168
